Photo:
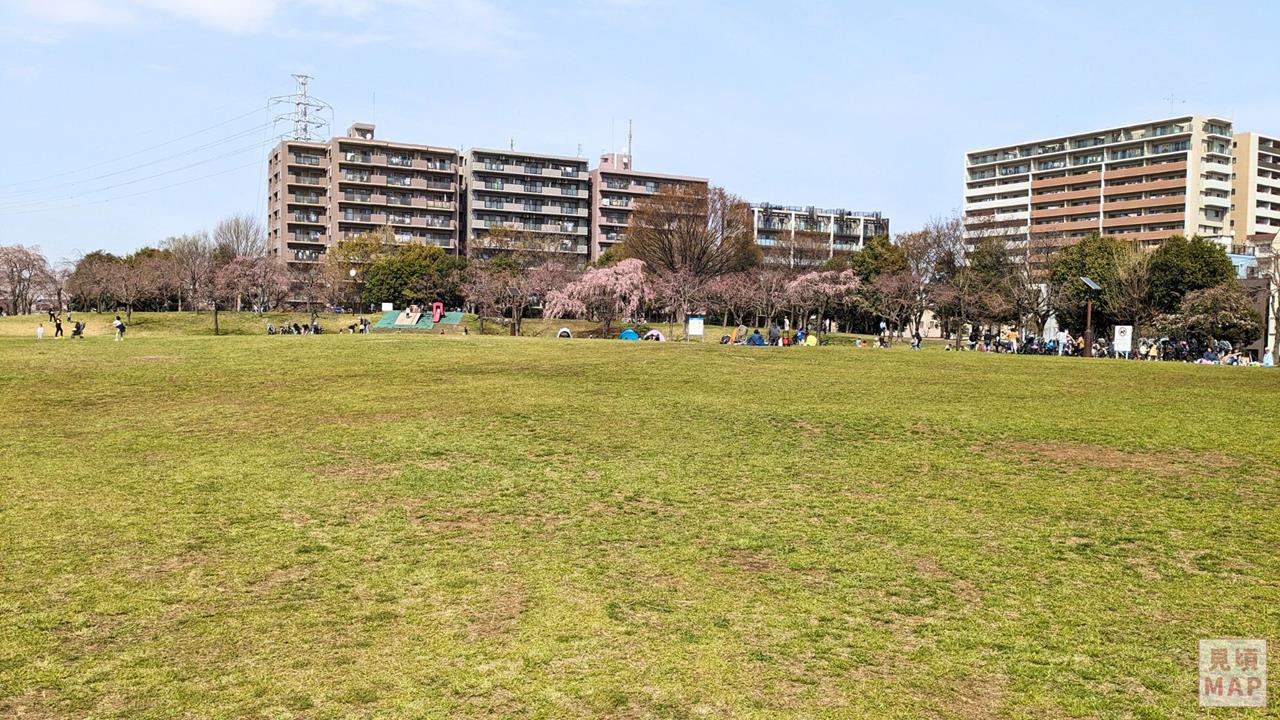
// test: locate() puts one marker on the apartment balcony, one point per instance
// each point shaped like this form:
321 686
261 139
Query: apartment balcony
521 189
1065 210
634 188
1151 186
1214 201
1147 204
517 169
1219 185
1063 196
306 160
1065 226
546 209
1145 235
1268 165
1136 220
1039 183
297 199
303 180
1018 187
309 238
309 218
1010 203
1160 169
305 256
362 198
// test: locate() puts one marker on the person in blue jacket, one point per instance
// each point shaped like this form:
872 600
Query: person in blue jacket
756 339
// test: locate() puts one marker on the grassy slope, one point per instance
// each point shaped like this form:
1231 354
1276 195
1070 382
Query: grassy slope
397 526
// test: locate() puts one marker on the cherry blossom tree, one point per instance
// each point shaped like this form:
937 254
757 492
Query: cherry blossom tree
733 296
23 271
606 294
820 291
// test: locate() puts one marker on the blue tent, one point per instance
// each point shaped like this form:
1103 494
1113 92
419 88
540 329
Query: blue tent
628 334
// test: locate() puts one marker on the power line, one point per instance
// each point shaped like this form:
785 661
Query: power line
136 194
198 148
256 146
137 152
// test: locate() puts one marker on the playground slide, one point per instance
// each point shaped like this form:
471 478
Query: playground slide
437 311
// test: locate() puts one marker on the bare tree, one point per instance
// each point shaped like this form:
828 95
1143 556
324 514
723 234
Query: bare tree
689 234
241 236
193 265
800 249
131 280
311 285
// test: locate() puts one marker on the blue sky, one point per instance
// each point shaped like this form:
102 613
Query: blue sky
837 104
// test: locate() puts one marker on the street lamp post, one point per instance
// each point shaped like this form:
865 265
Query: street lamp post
1088 315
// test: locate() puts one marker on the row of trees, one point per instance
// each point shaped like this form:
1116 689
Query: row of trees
688 249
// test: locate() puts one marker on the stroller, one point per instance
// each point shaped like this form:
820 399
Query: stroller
78 330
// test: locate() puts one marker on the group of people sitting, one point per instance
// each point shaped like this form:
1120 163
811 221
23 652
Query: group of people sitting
776 337
293 329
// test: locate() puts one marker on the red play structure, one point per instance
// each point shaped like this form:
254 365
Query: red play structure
437 311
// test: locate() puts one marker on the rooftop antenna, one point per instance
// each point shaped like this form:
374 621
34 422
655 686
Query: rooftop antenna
512 143
1174 100
633 162
579 149
307 116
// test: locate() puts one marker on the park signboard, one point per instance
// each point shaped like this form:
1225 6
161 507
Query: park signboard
1123 341
695 326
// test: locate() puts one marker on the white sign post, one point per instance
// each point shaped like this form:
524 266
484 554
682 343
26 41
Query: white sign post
695 327
1123 342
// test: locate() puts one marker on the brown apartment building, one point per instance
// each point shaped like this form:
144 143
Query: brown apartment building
320 193
615 188
1140 182
541 196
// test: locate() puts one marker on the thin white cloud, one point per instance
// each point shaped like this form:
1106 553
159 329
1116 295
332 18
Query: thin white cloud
363 20
23 73
76 12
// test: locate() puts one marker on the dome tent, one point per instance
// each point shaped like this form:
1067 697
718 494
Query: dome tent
628 334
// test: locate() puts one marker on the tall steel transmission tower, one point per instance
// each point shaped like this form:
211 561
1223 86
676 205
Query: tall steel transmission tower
307 116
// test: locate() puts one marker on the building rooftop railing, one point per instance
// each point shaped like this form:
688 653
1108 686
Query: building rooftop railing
820 211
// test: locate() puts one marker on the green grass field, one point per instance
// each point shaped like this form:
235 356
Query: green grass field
419 526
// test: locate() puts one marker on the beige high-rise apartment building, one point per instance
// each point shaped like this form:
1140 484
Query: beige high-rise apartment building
1256 200
320 193
1140 182
545 198
615 188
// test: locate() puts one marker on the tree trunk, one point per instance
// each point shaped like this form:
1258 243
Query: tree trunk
215 319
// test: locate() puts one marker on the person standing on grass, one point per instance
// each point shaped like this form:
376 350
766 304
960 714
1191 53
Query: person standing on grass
39 331
118 324
57 327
